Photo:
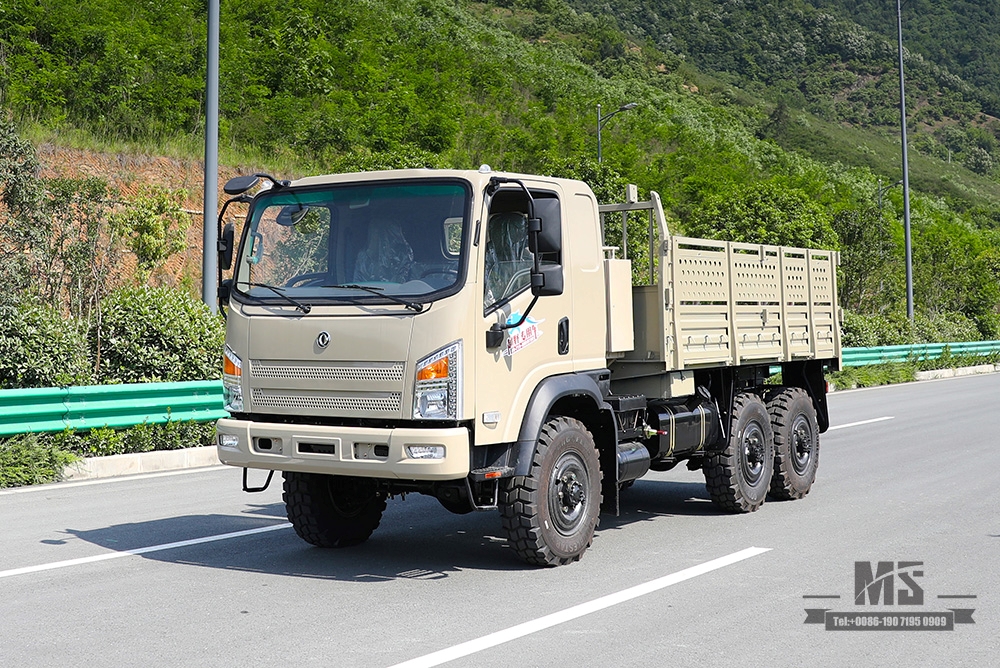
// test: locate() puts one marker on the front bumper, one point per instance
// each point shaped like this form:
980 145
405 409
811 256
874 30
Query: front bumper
349 451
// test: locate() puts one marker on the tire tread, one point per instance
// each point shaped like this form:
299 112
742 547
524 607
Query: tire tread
521 497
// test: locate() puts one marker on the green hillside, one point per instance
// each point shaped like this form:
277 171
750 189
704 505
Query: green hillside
822 65
752 123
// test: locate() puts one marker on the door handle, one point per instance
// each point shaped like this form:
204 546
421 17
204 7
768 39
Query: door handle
564 336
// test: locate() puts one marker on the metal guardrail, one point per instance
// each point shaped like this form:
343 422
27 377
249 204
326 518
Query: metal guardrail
919 351
118 406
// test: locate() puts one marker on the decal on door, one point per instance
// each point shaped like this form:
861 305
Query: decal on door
523 336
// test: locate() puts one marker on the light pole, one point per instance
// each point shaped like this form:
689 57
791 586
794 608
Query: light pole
906 168
209 259
601 120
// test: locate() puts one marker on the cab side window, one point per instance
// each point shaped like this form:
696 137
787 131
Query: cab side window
508 261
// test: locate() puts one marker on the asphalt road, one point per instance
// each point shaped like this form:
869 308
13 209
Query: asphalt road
91 573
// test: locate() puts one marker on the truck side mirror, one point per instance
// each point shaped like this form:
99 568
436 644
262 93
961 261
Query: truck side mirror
548 221
240 184
225 291
226 247
547 281
545 237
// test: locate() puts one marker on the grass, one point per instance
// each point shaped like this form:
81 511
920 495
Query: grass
180 147
32 459
880 151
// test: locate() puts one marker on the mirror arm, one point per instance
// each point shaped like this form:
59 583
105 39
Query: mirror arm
243 199
534 224
497 181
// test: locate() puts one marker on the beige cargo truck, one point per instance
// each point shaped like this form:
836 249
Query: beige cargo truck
471 336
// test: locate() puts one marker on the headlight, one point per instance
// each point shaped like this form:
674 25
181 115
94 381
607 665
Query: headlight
437 391
232 377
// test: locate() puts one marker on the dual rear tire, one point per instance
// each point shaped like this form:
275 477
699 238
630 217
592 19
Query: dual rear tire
772 447
796 442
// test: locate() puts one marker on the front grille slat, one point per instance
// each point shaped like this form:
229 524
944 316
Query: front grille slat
354 371
388 403
331 387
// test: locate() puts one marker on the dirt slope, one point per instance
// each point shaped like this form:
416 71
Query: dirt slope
126 174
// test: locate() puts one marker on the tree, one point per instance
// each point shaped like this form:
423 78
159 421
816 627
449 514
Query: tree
866 258
21 197
54 241
765 212
152 226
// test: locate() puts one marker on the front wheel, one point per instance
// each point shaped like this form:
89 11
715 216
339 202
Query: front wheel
332 511
549 515
738 477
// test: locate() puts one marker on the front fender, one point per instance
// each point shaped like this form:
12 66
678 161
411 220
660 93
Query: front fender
548 393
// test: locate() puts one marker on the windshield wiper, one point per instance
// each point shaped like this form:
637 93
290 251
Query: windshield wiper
305 308
413 306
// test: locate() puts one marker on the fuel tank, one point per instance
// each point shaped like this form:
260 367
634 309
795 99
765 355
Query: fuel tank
681 427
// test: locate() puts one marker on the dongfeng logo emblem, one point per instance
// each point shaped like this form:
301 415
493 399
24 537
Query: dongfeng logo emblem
323 340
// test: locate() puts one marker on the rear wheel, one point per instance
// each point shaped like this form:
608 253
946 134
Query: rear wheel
796 442
738 477
332 511
549 515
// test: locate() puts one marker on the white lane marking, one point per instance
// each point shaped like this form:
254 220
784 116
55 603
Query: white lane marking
858 424
569 614
141 550
59 486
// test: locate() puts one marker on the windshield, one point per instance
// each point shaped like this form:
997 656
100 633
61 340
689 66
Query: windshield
394 242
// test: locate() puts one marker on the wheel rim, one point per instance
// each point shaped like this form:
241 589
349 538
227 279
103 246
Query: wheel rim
752 447
567 495
802 444
349 496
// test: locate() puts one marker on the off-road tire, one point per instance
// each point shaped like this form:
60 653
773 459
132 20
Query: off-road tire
738 477
796 442
332 511
549 515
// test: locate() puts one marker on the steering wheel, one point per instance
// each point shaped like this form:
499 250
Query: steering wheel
443 271
315 278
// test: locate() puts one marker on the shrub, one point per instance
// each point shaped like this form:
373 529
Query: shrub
31 459
144 437
868 331
169 436
38 348
895 329
99 442
946 328
156 335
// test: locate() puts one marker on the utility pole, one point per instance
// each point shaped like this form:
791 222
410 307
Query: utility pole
906 168
210 236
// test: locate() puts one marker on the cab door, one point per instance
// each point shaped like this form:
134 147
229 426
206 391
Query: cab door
535 342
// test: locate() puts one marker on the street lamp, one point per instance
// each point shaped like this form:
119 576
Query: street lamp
906 168
882 190
601 120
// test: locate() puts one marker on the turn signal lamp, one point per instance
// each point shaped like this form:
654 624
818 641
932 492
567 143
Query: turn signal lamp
434 370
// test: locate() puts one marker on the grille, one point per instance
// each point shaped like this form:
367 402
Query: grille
387 403
392 372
